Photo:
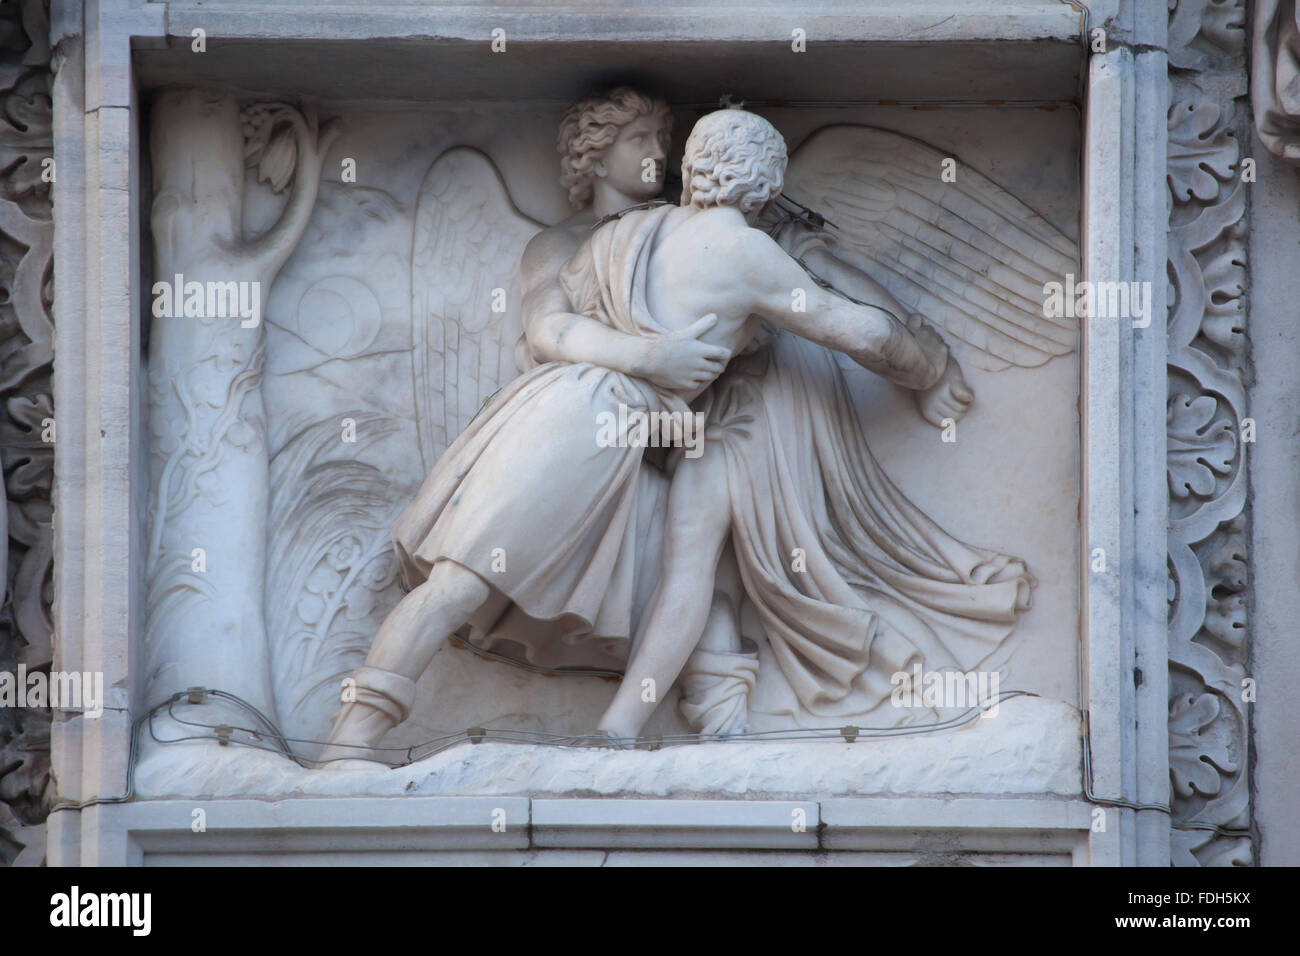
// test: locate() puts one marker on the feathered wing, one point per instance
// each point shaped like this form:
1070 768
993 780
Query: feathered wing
467 240
967 254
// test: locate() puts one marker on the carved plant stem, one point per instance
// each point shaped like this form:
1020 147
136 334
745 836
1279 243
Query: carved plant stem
209 471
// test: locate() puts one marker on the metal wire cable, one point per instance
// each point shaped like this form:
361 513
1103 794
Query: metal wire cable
226 733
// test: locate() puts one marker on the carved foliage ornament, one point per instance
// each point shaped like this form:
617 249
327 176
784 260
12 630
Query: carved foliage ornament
1206 464
26 416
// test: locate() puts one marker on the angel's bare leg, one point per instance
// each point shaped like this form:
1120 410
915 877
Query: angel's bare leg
698 522
403 648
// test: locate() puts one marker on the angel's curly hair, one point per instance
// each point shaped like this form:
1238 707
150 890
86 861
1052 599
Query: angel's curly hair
590 126
733 158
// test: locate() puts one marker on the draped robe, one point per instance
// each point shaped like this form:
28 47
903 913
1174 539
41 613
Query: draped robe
568 528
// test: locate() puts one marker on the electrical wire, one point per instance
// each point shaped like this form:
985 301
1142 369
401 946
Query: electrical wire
226 734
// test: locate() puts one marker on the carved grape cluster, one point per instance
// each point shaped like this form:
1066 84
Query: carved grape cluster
254 117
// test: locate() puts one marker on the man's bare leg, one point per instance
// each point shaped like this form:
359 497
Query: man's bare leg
722 631
720 675
403 648
698 522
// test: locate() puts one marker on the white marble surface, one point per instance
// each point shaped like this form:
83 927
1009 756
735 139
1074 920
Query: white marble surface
1010 482
96 601
1030 747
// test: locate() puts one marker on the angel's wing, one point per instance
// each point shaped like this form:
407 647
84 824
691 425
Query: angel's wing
466 244
967 254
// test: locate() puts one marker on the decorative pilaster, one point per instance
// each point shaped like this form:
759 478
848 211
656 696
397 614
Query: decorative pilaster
26 419
1208 435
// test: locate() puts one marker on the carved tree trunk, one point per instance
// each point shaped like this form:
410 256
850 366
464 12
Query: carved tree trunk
207 426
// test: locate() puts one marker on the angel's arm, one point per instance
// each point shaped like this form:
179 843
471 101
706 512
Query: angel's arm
868 334
557 334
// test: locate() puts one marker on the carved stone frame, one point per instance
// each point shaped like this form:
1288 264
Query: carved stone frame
1126 647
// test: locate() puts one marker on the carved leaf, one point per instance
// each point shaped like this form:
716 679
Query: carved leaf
1224 275
1224 326
277 163
1207 264
1220 22
269 143
1199 155
1207 848
1196 764
26 354
1225 618
1225 565
1223 22
1201 445
31 461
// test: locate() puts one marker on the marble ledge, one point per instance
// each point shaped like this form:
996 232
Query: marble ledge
732 20
1031 748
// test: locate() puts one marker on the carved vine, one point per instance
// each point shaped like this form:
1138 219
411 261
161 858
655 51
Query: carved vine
1207 456
26 417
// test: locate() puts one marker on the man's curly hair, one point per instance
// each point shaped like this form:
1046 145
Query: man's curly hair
590 126
733 158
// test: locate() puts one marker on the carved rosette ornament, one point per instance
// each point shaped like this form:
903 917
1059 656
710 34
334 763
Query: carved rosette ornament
26 419
1208 436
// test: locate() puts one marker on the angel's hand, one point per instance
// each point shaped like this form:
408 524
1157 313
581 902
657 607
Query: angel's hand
948 398
680 362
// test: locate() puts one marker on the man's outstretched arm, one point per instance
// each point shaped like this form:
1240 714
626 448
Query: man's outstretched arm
951 397
867 334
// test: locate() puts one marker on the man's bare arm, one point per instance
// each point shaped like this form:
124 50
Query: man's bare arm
867 334
851 280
